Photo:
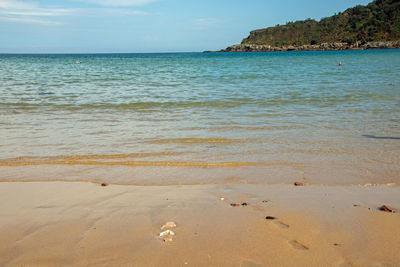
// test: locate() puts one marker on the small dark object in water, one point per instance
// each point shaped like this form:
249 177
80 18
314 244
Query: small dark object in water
298 184
381 137
245 204
46 93
270 218
104 184
386 208
235 204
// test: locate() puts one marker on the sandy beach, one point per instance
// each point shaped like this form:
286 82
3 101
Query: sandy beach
123 144
86 224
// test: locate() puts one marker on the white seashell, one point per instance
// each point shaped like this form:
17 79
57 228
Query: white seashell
168 225
167 233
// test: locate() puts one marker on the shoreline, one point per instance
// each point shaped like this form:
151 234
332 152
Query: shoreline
289 184
337 46
81 224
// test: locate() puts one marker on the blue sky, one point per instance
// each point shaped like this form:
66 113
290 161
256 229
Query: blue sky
146 25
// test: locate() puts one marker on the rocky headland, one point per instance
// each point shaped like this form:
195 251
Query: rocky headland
319 47
374 26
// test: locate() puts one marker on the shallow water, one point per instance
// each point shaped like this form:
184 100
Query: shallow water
202 118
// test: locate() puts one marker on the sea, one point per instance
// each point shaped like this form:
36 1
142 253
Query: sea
202 118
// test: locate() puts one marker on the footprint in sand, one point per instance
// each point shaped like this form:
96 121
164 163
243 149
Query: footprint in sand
295 244
282 224
278 223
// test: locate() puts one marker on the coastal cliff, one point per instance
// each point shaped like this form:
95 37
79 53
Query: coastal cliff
375 26
320 47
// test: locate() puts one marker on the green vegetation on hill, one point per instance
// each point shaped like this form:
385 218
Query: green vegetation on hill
378 21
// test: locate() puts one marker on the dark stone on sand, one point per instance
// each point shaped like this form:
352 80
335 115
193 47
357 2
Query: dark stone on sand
298 184
387 209
235 204
104 184
270 218
245 204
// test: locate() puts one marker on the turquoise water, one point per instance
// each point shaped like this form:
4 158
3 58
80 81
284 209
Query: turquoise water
202 118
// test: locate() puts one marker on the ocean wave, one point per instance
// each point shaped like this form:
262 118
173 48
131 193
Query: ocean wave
198 140
318 101
146 163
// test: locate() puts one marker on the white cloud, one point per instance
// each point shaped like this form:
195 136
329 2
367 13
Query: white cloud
31 13
119 2
12 4
95 12
39 12
30 21
12 7
28 12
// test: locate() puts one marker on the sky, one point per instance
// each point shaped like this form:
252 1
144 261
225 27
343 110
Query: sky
124 26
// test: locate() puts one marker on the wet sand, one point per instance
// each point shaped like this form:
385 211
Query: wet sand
85 224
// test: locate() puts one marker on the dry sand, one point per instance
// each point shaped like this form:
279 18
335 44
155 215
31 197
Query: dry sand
85 224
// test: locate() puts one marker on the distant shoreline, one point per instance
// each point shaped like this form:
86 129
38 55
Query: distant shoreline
337 46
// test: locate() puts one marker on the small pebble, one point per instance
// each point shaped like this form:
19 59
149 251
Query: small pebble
386 208
235 204
222 198
270 218
298 184
245 204
104 184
